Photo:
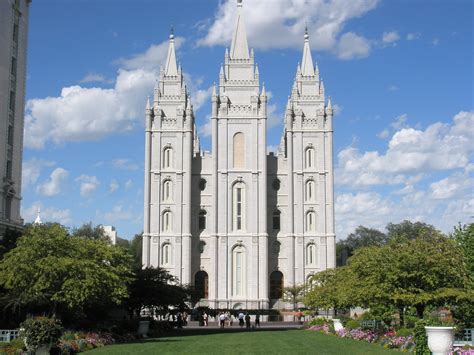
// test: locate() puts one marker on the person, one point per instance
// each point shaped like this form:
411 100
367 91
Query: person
205 317
241 319
257 320
179 320
185 318
222 318
230 319
247 320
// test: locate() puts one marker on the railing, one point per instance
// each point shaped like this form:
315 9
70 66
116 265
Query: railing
467 339
8 335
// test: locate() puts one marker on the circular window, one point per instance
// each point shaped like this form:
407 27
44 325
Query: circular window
202 184
276 184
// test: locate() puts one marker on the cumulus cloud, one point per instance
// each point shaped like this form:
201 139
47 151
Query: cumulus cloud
53 185
113 186
413 36
282 25
32 169
441 146
88 184
93 78
456 185
390 37
124 164
118 213
48 214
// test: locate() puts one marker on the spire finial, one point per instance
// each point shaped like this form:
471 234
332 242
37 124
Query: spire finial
239 3
306 35
148 102
172 32
307 68
171 67
38 220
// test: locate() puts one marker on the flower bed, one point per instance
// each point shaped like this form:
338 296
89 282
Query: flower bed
75 342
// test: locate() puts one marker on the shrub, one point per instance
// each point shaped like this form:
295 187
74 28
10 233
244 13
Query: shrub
404 332
421 340
318 321
39 331
352 324
13 347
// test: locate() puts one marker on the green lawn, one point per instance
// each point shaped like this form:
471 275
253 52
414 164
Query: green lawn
254 342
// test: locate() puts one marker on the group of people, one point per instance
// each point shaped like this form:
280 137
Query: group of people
227 319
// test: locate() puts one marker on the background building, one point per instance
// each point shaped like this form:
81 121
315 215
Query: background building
239 224
13 43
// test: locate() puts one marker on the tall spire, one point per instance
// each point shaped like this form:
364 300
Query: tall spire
307 68
171 68
38 220
239 48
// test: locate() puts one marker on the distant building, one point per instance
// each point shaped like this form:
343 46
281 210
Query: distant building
13 42
237 223
111 233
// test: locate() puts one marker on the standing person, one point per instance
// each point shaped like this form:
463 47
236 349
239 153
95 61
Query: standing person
257 320
231 319
185 318
241 319
222 318
247 320
205 317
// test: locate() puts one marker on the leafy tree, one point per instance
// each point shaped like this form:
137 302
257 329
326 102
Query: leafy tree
136 250
155 290
51 269
88 231
294 295
410 230
464 237
361 237
8 240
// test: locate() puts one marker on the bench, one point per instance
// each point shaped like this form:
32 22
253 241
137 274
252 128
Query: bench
8 335
370 324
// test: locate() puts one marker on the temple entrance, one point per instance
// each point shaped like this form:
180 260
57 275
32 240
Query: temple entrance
201 284
276 285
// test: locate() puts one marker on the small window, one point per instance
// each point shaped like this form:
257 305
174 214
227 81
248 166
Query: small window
15 33
167 220
311 221
167 190
238 210
239 150
202 219
166 254
310 190
311 254
8 207
10 134
9 169
167 158
276 220
13 68
202 184
276 184
309 158
12 100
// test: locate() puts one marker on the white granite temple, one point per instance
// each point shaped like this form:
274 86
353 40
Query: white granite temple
239 223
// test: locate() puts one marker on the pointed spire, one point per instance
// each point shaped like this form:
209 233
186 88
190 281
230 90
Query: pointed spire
171 68
221 72
307 68
239 48
38 220
329 107
214 91
264 92
148 107
257 73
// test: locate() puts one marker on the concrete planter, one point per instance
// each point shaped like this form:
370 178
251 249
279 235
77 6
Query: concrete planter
143 327
440 339
337 324
43 349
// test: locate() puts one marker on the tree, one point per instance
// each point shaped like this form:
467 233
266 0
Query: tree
294 295
49 268
155 290
410 230
464 237
87 230
361 237
136 250
8 240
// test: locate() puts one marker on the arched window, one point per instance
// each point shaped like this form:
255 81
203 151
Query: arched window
276 285
167 158
311 254
166 254
202 219
167 221
167 190
309 158
201 284
239 272
238 209
311 221
276 220
239 150
310 190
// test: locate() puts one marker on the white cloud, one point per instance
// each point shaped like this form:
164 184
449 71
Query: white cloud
435 41
32 169
282 25
383 134
399 122
441 146
456 185
53 185
337 109
390 37
413 36
124 164
118 213
88 184
113 186
48 214
205 130
128 184
93 78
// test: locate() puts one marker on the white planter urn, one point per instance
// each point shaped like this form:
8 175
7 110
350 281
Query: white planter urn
143 327
337 324
440 339
43 349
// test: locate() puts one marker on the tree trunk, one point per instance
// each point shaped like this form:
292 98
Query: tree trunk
401 312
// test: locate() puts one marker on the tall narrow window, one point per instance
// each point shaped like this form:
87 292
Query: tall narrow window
166 222
201 284
276 285
167 190
166 254
311 254
167 158
311 221
238 271
8 207
309 158
310 190
238 211
276 220
239 150
202 219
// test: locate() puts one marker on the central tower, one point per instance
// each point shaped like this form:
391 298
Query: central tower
239 122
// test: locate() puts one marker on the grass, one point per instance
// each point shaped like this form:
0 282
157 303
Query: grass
256 342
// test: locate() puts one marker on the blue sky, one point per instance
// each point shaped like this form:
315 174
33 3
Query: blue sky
399 72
